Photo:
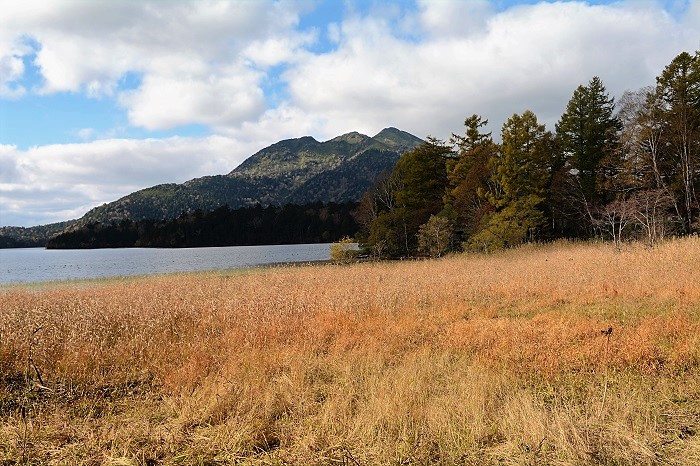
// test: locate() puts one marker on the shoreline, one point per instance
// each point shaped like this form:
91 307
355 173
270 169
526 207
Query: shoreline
121 278
40 266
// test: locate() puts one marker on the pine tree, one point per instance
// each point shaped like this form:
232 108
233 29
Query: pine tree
678 87
469 175
525 163
585 133
418 186
521 175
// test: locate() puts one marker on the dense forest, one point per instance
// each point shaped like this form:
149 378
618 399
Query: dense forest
616 170
31 237
290 224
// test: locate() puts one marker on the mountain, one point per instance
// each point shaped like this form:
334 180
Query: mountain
294 171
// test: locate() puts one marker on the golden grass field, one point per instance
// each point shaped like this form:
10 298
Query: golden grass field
471 359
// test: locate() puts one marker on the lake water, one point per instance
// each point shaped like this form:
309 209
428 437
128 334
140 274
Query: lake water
38 265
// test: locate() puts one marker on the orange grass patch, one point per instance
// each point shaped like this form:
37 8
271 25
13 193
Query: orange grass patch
467 360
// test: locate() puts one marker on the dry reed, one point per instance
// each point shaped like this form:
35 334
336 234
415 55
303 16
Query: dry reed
471 359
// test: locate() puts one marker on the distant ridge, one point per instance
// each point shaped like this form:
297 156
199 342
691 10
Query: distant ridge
297 171
293 171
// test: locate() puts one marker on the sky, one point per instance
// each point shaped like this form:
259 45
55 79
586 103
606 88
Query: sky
101 98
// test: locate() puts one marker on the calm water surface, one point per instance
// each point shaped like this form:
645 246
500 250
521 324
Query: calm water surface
38 265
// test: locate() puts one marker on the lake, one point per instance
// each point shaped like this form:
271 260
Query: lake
38 264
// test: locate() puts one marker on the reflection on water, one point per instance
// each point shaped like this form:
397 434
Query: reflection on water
37 264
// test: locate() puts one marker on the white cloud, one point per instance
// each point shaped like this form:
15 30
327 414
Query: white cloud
205 62
693 9
209 62
12 50
446 18
11 69
8 169
85 133
196 57
42 184
216 100
495 64
333 33
283 122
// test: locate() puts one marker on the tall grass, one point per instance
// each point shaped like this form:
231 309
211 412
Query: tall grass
470 359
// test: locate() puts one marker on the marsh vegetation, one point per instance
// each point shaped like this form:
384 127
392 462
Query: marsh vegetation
469 359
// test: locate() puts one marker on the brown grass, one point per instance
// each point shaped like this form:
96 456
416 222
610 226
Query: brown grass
467 360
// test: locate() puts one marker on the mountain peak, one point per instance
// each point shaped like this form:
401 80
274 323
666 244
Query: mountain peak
397 139
352 137
389 130
300 170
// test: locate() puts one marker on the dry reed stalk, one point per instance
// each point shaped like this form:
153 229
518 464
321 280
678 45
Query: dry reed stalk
463 360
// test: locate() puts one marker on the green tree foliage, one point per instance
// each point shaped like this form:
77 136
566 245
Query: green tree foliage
344 250
603 174
525 163
424 176
435 236
521 176
388 234
469 176
678 89
513 225
407 198
291 224
585 133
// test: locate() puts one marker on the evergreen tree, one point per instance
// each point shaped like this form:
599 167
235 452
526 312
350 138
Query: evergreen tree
521 174
678 88
469 176
416 192
525 162
585 133
515 224
424 177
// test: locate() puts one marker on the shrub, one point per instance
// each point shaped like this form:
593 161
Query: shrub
435 236
344 250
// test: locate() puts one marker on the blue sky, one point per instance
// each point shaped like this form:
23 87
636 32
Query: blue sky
98 99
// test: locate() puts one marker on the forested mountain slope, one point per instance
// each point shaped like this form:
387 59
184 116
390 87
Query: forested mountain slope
294 171
298 171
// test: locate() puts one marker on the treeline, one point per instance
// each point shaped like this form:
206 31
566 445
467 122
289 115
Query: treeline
258 225
7 242
30 237
611 171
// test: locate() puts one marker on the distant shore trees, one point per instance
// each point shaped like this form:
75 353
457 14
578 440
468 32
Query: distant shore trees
246 226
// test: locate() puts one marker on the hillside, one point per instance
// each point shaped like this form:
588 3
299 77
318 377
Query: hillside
297 171
21 237
245 226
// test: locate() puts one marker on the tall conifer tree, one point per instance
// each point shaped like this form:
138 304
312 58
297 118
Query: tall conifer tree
585 133
678 87
417 191
469 175
521 175
524 167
